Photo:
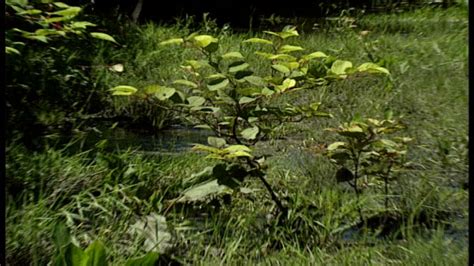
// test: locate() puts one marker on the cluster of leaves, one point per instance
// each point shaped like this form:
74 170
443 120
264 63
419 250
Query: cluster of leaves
44 21
220 91
94 255
367 151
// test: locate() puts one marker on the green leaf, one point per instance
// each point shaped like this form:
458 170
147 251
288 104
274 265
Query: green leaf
246 99
286 57
218 84
96 254
339 67
154 229
40 38
123 90
82 24
336 145
287 84
68 12
103 36
281 68
61 4
204 40
216 142
30 12
201 191
229 55
315 55
238 66
237 148
255 80
353 131
288 32
289 48
74 255
196 101
258 40
161 92
372 68
172 41
186 83
150 259
250 133
267 92
11 50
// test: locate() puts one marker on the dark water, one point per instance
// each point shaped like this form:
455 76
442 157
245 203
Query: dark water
175 139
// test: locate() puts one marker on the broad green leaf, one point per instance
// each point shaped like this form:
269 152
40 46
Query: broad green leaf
161 92
40 38
287 84
255 80
82 24
286 57
372 68
201 191
237 55
150 259
54 19
267 92
258 40
288 32
172 41
123 90
200 147
236 148
250 133
281 68
239 154
96 254
11 50
216 142
266 55
352 131
218 84
30 12
103 36
186 83
68 12
238 66
315 55
73 255
336 145
154 229
289 48
61 4
339 67
271 33
204 40
246 99
248 91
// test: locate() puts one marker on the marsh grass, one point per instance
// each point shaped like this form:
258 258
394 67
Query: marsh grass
99 192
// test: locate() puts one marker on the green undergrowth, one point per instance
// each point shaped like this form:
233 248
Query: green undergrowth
101 194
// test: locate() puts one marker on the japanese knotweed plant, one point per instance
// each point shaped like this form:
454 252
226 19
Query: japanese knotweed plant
221 91
368 152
